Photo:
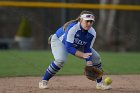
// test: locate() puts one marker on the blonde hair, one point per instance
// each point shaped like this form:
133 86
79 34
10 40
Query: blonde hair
77 19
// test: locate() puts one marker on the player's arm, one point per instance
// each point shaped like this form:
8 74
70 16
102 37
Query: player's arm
69 45
88 49
74 51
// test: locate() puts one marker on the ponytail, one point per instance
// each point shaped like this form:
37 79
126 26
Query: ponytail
69 22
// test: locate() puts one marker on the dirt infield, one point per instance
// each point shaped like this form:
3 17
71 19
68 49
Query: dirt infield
69 84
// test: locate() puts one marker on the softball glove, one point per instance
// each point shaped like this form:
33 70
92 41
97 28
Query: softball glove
93 73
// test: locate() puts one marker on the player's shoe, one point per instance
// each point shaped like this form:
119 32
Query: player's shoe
103 86
43 84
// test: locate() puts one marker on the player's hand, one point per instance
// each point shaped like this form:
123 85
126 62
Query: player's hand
89 63
82 55
87 55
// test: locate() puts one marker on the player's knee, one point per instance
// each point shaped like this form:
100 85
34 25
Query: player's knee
60 62
96 59
98 65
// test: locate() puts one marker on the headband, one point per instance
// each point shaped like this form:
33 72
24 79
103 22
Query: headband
87 17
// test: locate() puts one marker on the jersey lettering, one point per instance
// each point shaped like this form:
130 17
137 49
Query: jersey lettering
79 42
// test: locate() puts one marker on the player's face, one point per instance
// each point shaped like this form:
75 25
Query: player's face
86 24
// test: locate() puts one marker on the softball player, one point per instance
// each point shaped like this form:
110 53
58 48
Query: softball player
77 38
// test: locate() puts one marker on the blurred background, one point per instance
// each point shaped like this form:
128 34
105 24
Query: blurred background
117 29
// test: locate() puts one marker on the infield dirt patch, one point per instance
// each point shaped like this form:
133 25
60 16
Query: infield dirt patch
69 84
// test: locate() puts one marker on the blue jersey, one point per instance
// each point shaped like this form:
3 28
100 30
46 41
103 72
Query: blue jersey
74 37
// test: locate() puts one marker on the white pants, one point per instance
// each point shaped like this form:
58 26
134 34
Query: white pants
60 54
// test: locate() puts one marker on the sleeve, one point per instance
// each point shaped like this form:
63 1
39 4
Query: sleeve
70 40
88 48
70 48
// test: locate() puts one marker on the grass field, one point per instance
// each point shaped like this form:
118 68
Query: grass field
34 63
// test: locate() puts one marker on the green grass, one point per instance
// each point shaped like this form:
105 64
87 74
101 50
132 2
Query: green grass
34 63
121 63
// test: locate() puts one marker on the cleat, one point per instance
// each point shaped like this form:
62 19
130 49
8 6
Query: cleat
103 86
43 84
